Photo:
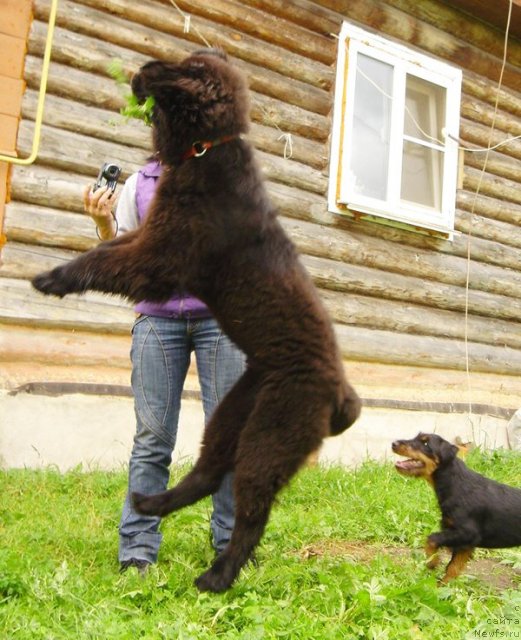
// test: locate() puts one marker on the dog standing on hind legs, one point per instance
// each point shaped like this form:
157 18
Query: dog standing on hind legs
212 230
476 511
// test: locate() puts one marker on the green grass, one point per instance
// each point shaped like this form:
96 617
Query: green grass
341 558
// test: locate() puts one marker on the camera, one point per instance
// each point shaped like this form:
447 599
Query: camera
108 176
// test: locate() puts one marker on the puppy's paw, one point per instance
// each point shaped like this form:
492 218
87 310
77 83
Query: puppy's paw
432 553
51 283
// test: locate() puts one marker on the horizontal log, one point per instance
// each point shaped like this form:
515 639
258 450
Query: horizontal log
351 246
478 111
261 25
410 318
292 173
76 85
479 136
461 26
491 185
506 99
70 115
80 51
489 207
21 304
484 250
25 261
224 33
349 278
61 346
62 189
82 154
30 354
362 344
49 187
157 44
432 40
276 143
357 343
310 207
494 163
421 258
304 13
105 125
37 225
503 233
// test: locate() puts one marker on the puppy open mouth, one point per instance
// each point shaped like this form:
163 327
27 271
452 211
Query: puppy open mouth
409 466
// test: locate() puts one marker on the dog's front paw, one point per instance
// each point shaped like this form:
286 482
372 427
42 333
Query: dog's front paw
213 581
432 553
51 283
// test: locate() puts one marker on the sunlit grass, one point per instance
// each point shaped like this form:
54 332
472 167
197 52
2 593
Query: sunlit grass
341 558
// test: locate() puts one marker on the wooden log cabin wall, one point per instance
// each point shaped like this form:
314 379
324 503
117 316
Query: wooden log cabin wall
398 298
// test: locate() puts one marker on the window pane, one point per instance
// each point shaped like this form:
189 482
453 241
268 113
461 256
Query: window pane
422 171
425 109
372 128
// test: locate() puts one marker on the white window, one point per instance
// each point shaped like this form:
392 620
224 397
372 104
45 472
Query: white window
393 153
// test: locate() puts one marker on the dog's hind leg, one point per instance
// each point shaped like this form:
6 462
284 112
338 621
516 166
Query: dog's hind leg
457 563
271 449
217 452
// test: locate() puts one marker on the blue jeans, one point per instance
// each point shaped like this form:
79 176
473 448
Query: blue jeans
160 354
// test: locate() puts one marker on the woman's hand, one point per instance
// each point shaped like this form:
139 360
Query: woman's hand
99 205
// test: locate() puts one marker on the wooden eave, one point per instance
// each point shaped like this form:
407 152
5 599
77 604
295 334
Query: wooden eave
495 12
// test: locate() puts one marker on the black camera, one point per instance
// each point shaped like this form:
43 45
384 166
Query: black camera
108 176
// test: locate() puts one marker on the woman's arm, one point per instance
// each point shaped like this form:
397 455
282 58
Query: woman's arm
100 205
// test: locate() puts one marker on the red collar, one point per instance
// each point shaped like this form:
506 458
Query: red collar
199 148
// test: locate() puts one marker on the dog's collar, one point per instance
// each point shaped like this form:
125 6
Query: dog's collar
200 147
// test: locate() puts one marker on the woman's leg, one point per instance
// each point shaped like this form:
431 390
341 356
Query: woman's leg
219 364
160 358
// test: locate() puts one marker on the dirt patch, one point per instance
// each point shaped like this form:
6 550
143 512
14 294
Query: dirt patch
488 570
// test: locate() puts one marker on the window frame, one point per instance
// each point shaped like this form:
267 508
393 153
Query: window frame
405 61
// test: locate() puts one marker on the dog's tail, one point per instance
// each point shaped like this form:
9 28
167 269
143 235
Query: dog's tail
346 411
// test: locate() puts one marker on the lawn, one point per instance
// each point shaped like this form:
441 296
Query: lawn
341 558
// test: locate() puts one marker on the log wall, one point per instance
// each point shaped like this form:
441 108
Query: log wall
398 299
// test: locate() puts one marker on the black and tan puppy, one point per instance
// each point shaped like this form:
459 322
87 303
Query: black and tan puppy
476 511
213 231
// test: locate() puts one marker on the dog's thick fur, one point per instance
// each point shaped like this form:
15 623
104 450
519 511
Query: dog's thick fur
476 511
212 231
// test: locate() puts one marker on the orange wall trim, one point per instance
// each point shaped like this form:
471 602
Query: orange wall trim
15 19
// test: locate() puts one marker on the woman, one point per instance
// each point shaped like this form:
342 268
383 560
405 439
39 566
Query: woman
163 337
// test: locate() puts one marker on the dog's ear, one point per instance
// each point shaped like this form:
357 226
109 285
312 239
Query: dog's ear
443 450
188 86
157 79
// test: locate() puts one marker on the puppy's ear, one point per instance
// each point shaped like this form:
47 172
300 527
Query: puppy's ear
445 451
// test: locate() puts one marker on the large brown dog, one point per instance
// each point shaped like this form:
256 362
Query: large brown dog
212 231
